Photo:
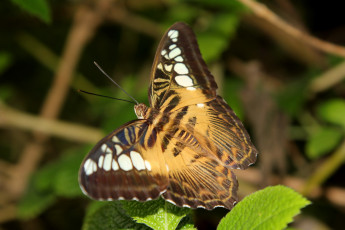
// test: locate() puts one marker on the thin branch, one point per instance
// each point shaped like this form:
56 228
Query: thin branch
328 79
122 16
13 118
263 12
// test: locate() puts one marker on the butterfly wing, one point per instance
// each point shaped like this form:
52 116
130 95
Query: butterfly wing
121 167
203 138
178 72
200 153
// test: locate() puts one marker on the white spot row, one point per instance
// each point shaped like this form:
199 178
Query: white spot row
126 163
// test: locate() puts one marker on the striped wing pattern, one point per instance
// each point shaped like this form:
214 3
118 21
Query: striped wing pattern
184 145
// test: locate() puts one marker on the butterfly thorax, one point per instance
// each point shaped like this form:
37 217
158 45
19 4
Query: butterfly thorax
140 110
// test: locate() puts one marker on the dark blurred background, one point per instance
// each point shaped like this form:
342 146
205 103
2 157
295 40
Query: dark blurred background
281 69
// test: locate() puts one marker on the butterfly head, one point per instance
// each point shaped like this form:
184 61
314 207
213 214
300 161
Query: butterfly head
140 110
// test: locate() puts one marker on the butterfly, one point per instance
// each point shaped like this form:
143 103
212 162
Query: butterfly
183 147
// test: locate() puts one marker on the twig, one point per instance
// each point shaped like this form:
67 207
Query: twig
13 118
135 22
328 79
263 12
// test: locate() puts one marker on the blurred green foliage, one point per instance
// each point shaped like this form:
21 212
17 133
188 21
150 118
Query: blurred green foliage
26 78
38 8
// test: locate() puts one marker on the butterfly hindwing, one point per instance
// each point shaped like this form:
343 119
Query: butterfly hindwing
209 142
119 167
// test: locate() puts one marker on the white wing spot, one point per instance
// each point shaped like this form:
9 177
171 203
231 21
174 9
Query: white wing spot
109 199
171 202
186 206
115 139
201 105
174 39
168 67
167 57
149 198
184 80
100 161
175 52
121 198
167 167
172 46
191 88
94 166
137 160
148 165
88 167
114 165
159 66
118 149
104 147
179 59
163 52
173 34
125 162
107 162
181 68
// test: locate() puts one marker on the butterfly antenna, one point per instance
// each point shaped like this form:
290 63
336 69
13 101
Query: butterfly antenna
115 82
80 90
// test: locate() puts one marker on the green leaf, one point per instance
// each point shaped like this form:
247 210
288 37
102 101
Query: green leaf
108 215
333 111
59 178
293 96
38 8
322 141
270 208
231 94
34 203
157 214
214 41
66 178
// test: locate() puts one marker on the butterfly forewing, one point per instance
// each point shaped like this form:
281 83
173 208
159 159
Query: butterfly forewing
185 144
178 69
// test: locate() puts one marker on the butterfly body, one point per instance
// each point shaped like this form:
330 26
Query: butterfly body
182 147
